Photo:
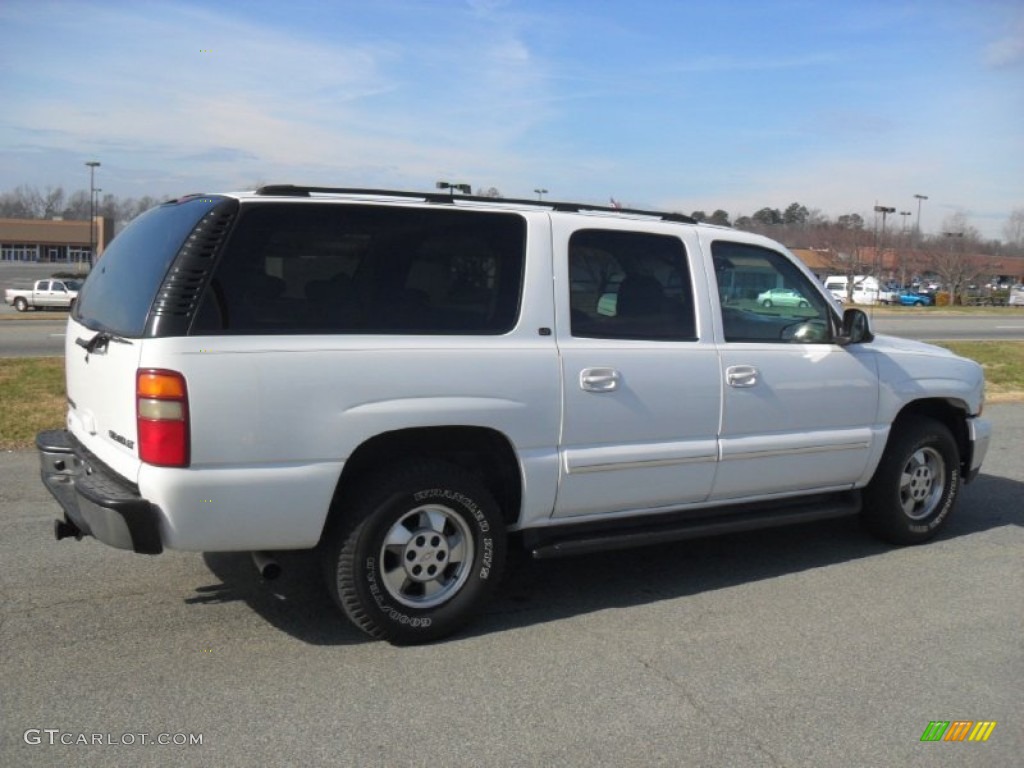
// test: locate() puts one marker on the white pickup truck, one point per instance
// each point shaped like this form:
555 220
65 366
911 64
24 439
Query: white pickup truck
45 294
408 384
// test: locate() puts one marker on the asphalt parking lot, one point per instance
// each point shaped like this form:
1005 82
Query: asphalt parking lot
812 646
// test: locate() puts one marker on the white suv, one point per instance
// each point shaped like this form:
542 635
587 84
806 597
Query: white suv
403 381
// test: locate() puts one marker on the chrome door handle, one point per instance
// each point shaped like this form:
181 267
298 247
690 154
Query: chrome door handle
741 376
599 379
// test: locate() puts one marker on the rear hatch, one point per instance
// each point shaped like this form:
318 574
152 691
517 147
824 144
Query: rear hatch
109 324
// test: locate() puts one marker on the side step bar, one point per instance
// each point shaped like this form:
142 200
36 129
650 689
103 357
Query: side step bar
566 540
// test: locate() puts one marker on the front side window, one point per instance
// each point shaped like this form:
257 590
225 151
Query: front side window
766 298
630 285
325 268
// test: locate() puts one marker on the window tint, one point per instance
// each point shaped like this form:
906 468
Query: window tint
765 297
630 285
121 287
313 268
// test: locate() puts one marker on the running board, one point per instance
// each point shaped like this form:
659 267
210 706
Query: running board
579 539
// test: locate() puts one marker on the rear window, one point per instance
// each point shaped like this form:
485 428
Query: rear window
328 268
120 289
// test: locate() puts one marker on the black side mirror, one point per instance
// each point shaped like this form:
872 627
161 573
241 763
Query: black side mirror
856 327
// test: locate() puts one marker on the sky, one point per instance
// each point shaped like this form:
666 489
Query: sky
682 106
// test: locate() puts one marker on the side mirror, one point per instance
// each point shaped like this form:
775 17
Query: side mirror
856 327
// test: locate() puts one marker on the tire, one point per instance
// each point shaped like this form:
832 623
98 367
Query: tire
803 304
417 553
20 304
916 485
918 303
766 303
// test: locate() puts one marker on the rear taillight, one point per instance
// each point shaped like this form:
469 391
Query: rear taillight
161 407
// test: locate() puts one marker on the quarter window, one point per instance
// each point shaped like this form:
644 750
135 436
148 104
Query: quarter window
325 268
630 285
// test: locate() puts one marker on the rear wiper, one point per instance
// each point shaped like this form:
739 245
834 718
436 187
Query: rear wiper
101 339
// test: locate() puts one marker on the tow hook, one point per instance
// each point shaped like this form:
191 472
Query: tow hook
62 529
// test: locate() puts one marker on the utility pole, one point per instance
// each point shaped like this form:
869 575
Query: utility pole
885 211
920 198
93 165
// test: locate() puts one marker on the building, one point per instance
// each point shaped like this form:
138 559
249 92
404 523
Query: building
52 240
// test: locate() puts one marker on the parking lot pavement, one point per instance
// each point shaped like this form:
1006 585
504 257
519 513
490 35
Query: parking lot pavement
812 646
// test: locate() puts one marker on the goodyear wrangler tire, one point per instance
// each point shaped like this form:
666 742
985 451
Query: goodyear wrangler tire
916 484
417 554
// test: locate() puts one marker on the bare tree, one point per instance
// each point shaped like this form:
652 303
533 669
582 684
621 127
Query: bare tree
1013 232
951 255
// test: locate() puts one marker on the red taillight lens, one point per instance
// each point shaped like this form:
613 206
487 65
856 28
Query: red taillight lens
161 408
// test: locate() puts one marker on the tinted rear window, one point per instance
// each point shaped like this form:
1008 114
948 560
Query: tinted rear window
120 290
328 268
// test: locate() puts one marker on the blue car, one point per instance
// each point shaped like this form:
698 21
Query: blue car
912 299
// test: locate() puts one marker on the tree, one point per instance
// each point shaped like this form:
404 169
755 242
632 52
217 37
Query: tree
720 217
53 202
699 216
950 255
768 217
1013 231
795 215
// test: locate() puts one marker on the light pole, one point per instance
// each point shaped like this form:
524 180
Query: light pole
93 165
540 193
920 198
452 188
885 211
903 249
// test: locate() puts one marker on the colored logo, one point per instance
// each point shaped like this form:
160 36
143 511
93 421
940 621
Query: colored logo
958 730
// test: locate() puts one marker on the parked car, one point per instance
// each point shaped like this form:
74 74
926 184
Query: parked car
782 297
914 299
406 384
45 294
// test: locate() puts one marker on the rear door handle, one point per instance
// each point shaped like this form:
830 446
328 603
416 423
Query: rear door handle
599 379
741 376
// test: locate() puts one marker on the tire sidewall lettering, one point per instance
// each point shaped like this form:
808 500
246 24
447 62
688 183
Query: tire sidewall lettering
377 594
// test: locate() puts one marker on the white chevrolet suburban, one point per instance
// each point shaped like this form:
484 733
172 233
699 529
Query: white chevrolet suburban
406 383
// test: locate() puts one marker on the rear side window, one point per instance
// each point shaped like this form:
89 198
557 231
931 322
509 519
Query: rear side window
120 289
630 285
327 268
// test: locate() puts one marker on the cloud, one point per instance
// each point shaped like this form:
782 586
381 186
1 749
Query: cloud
1007 51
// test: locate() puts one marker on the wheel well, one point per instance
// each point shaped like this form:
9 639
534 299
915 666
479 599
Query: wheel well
952 414
485 452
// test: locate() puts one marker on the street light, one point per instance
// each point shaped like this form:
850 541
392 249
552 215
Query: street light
540 193
452 188
919 199
904 214
93 165
885 211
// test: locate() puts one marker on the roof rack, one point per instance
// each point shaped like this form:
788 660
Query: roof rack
292 190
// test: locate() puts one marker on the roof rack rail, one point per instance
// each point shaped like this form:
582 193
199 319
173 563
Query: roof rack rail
292 190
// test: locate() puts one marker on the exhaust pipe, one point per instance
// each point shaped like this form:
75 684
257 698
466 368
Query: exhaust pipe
63 529
268 567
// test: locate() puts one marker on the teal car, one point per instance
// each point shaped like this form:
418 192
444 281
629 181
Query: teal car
782 297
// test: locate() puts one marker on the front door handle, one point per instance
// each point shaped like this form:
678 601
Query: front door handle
599 379
741 376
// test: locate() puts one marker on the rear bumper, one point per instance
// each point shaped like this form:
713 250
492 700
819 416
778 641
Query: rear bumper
979 433
95 499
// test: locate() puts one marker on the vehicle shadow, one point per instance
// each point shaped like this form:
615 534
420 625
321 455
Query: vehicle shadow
539 591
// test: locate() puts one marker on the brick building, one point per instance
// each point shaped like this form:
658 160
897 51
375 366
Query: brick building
52 241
